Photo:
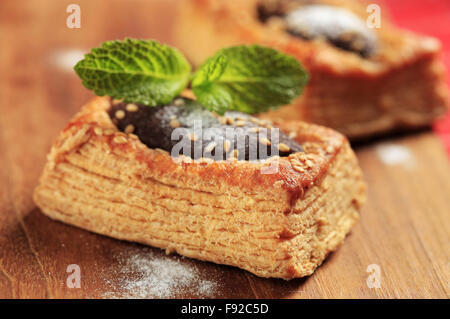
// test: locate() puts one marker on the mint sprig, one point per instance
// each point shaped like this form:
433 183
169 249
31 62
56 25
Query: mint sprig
140 71
249 79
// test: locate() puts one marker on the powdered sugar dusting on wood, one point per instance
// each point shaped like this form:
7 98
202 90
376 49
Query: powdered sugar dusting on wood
65 60
395 155
146 274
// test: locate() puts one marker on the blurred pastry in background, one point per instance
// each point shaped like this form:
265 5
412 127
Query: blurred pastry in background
363 81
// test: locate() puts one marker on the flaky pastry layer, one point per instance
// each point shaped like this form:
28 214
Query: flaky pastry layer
281 224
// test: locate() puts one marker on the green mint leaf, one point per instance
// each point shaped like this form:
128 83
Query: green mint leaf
139 71
249 79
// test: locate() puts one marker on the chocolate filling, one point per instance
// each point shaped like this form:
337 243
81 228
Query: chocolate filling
185 127
338 26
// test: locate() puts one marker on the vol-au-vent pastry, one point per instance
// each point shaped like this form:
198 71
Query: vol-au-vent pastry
363 80
175 176
274 225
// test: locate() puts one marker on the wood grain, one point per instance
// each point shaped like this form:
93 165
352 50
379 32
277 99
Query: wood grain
404 227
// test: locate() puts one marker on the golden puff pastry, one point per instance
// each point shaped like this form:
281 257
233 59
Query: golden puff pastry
281 224
363 81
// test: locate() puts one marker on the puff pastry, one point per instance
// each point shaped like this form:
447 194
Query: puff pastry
274 225
392 80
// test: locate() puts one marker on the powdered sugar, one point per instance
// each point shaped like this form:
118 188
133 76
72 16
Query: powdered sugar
65 60
146 274
394 154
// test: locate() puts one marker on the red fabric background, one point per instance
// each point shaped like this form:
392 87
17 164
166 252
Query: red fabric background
431 17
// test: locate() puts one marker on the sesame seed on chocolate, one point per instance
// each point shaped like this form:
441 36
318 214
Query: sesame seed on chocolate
256 121
132 107
174 123
226 145
229 120
240 123
120 114
210 147
265 141
283 147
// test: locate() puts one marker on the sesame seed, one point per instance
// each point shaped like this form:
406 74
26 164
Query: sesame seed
226 145
193 137
174 123
293 134
283 147
178 102
235 153
298 169
309 163
120 114
209 148
255 129
109 131
119 139
132 107
133 136
98 131
129 129
240 123
229 120
265 141
255 121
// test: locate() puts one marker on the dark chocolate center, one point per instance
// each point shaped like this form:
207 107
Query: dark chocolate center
185 127
338 26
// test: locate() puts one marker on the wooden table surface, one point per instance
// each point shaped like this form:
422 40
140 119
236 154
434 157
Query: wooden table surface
404 227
